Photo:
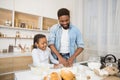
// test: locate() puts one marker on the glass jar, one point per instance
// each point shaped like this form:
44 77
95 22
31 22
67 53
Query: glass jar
17 34
94 62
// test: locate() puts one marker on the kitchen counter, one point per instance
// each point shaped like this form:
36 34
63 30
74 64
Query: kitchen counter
81 72
26 75
4 55
10 62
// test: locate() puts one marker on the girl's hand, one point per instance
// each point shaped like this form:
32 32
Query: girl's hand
58 65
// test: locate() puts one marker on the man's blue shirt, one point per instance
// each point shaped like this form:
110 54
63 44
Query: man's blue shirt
75 37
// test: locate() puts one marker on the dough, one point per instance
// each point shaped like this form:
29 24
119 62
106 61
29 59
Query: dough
111 70
67 75
111 78
53 76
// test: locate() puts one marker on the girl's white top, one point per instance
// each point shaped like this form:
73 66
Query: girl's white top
42 57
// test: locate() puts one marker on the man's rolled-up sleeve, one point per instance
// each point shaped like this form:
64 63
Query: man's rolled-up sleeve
79 40
51 37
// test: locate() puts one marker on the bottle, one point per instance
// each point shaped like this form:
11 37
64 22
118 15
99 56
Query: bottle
8 23
16 22
10 48
17 34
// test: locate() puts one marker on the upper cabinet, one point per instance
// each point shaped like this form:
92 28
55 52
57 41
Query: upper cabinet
48 22
15 19
5 17
27 21
27 18
22 15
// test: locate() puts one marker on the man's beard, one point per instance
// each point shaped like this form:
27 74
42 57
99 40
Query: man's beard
66 27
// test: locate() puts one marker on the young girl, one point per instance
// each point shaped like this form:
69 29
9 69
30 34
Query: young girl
41 53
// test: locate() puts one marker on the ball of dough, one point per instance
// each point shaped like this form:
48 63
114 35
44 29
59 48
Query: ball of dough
53 76
111 70
67 75
111 78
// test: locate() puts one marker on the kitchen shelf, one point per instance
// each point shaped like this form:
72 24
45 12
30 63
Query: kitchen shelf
14 38
25 20
17 28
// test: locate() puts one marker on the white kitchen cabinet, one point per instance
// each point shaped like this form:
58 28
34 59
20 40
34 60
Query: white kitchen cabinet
26 25
17 20
12 63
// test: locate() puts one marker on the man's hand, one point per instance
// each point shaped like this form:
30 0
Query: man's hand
77 52
70 61
63 61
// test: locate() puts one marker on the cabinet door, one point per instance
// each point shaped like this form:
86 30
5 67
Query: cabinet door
7 77
48 22
21 63
6 65
5 17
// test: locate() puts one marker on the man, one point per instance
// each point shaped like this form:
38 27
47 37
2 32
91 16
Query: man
65 40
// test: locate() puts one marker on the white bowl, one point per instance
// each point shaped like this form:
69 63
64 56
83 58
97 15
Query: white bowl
94 65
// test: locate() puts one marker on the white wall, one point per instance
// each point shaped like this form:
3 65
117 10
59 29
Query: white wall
77 17
46 8
8 4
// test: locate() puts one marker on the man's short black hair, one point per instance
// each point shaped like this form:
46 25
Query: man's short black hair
63 11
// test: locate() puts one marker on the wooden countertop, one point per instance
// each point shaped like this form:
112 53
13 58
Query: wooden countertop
4 55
